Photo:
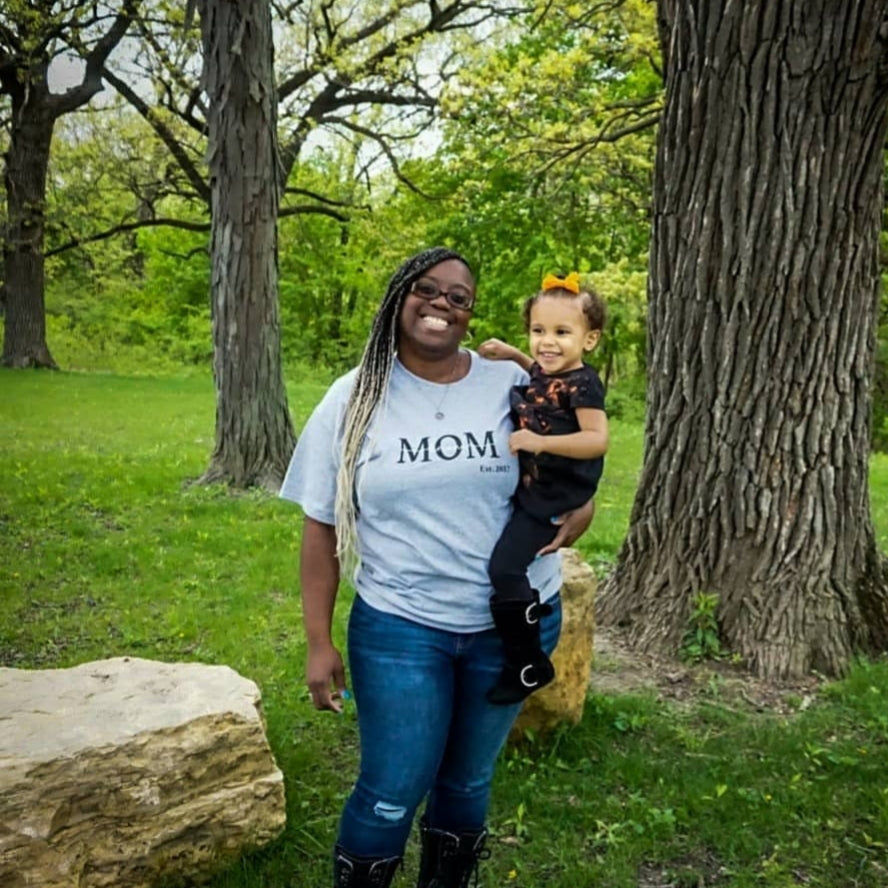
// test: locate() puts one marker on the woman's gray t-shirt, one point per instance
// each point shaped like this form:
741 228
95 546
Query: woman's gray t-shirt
434 495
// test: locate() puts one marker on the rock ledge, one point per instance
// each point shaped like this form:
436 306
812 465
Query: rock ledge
126 771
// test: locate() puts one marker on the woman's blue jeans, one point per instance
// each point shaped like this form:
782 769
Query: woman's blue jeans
426 728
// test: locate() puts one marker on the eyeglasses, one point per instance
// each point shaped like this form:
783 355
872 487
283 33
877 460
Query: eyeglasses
458 297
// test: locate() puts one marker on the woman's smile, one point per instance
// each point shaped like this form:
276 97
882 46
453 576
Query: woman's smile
432 328
435 322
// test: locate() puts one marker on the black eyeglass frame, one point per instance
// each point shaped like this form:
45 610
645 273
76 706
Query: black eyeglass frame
447 294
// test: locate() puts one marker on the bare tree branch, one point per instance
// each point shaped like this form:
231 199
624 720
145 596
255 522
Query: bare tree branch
163 132
187 88
91 84
8 38
384 97
380 140
334 95
186 256
608 133
125 227
309 209
320 198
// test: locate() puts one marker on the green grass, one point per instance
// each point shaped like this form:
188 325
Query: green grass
106 550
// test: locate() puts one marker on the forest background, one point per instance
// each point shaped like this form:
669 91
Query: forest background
524 135
530 149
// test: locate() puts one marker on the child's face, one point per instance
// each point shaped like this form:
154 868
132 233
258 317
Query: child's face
560 334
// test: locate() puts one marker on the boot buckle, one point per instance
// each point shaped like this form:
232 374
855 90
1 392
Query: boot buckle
524 681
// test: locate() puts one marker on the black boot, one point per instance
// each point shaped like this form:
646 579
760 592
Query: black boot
527 667
362 872
449 859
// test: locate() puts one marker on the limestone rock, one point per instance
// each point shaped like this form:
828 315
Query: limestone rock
126 771
564 698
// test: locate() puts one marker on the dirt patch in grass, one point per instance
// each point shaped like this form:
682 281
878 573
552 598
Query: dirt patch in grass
700 871
618 669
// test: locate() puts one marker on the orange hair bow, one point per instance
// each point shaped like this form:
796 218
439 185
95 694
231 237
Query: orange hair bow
571 282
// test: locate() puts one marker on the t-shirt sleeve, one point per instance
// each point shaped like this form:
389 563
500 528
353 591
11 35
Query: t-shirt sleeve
587 390
311 475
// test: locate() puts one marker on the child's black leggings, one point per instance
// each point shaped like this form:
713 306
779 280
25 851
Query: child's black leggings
514 552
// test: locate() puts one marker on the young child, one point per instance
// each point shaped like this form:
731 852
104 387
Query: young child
561 437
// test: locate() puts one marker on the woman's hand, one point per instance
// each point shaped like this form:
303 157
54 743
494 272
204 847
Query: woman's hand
571 526
319 572
325 674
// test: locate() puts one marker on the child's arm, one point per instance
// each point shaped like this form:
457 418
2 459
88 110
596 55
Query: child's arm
497 350
588 443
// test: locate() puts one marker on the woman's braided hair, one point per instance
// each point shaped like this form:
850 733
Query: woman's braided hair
369 390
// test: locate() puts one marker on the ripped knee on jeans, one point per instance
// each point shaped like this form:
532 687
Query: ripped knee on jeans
388 811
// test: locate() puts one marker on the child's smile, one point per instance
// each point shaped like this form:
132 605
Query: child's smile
559 334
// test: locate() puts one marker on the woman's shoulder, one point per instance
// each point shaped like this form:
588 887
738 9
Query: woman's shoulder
341 387
497 372
344 382
331 408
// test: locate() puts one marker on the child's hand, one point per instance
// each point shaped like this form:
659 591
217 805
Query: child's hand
526 440
496 350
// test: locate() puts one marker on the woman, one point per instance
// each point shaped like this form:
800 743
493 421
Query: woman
404 471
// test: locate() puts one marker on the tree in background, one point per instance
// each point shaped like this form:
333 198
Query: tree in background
880 393
31 37
763 297
254 434
125 291
366 79
345 58
495 186
364 74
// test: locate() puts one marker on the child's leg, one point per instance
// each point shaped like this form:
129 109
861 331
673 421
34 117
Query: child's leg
514 552
516 610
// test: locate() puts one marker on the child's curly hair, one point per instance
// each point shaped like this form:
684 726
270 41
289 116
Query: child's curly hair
591 302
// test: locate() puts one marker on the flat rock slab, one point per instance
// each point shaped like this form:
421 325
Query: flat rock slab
126 771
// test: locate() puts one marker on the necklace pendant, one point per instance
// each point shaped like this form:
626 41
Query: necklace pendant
439 415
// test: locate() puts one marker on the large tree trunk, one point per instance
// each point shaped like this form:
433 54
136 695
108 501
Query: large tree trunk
27 45
763 297
27 160
254 434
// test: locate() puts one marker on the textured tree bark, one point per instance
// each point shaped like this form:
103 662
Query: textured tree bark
763 295
27 160
254 434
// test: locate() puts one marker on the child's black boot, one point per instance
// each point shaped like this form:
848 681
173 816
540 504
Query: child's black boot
527 668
